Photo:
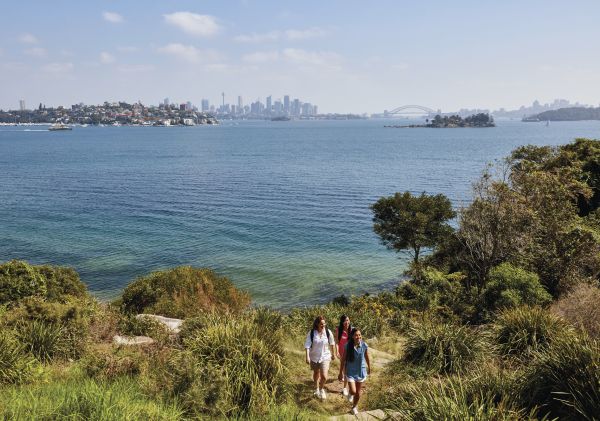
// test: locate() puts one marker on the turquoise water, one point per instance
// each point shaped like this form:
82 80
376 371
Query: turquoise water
282 208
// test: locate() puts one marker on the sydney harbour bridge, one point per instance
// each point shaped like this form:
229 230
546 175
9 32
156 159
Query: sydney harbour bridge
412 111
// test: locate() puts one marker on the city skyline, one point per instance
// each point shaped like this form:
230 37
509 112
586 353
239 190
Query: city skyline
340 55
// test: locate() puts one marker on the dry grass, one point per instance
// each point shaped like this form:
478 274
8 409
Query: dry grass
581 307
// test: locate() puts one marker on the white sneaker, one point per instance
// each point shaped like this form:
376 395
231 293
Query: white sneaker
323 394
317 393
350 398
345 392
354 410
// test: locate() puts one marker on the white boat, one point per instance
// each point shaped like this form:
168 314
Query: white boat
59 126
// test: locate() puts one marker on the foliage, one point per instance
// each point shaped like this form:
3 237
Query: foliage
521 332
84 400
442 347
581 307
46 341
112 363
19 279
564 380
182 292
510 287
15 365
404 221
229 366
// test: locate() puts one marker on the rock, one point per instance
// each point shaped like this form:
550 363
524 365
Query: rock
174 325
132 340
375 414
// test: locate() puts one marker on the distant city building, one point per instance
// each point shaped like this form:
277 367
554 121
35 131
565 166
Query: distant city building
286 104
22 104
166 102
240 103
269 105
205 105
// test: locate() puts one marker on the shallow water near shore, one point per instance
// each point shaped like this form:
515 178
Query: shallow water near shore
282 208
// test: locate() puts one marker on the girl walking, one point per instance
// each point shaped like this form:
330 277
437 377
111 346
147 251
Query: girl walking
320 351
342 335
356 366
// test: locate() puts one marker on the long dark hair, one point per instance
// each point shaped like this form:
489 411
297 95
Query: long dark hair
315 327
350 345
340 330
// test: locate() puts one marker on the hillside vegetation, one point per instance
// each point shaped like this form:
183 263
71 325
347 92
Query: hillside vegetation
498 319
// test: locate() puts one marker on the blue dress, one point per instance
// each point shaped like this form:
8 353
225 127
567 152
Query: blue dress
357 370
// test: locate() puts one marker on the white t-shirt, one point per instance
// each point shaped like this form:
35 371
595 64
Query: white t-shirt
319 348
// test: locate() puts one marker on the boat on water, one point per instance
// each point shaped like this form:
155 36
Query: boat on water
59 126
530 119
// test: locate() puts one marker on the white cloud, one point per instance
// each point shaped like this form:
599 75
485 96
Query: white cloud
107 58
193 23
190 53
28 39
261 57
324 59
57 68
36 52
301 34
399 66
112 17
258 38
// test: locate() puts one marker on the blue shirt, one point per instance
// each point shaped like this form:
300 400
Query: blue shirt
358 367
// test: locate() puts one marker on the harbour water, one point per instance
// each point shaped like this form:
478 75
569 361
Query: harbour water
281 208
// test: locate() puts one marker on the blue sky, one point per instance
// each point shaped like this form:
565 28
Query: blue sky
345 56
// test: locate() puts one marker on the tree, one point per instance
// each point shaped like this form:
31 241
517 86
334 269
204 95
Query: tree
407 222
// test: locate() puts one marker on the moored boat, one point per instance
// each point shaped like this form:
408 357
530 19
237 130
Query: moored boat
59 126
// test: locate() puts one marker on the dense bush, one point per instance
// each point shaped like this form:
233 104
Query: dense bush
510 287
19 279
84 400
229 366
15 365
522 331
112 363
442 347
564 380
581 307
183 292
454 399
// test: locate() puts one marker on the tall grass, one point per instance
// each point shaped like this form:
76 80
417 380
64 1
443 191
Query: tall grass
83 400
565 379
523 331
45 341
442 347
230 366
15 365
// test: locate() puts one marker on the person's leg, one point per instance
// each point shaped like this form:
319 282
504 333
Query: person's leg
316 377
352 388
324 370
357 393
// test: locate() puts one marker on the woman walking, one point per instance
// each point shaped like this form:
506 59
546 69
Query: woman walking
342 335
320 350
356 366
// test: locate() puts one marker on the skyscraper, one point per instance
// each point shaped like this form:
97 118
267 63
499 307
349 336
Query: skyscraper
205 106
286 104
268 108
22 104
240 103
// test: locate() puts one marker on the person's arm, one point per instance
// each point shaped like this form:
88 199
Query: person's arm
307 346
332 346
368 361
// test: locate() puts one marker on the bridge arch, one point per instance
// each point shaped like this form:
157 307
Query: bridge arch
413 109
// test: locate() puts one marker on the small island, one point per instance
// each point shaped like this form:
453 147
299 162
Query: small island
454 121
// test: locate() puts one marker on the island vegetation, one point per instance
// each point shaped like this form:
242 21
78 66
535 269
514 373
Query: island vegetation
498 318
454 121
568 114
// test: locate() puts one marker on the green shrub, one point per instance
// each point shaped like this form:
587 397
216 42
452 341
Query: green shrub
522 331
84 400
46 341
15 365
113 363
454 399
442 347
183 292
564 380
229 366
144 326
510 287
19 279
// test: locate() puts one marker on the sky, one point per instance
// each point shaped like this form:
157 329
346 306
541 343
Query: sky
343 55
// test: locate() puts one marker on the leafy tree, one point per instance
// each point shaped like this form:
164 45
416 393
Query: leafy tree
407 222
